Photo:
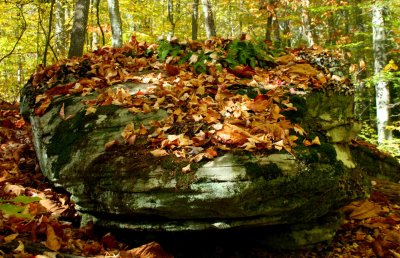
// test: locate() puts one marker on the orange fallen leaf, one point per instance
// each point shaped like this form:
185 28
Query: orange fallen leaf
365 209
52 240
150 250
109 144
159 153
10 238
43 106
171 70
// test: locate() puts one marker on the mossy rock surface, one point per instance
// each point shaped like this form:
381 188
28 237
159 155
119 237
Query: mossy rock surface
124 186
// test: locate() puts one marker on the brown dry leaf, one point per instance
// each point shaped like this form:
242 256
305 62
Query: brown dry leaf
186 169
20 248
150 250
316 141
52 240
10 238
303 69
109 144
171 70
159 153
14 189
258 105
128 131
394 253
90 110
298 129
365 209
43 106
306 143
284 59
62 113
230 134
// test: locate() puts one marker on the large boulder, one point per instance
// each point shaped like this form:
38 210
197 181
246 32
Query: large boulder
127 168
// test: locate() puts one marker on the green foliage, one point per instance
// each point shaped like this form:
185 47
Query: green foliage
248 53
166 48
17 206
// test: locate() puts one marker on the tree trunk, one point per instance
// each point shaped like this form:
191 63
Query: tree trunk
79 28
96 6
170 16
47 43
116 24
306 24
380 60
60 36
208 19
195 19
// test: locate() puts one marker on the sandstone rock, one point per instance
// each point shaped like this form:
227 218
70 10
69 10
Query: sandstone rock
123 184
126 187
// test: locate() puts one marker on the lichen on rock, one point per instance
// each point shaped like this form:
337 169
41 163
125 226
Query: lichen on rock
148 143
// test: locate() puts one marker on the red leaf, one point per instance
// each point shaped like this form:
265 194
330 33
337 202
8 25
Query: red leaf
171 70
243 71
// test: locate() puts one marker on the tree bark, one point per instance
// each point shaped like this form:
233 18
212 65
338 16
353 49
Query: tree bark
116 23
79 28
382 94
170 16
60 35
195 19
209 19
306 24
47 43
96 6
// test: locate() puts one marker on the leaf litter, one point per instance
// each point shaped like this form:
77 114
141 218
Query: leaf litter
238 90
40 220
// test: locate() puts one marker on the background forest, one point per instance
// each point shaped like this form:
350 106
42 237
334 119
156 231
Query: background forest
40 32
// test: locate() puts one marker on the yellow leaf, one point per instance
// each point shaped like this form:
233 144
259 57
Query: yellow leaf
391 66
159 153
52 240
20 248
316 141
90 110
186 169
10 238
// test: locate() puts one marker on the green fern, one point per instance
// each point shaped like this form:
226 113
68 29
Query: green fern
165 49
248 53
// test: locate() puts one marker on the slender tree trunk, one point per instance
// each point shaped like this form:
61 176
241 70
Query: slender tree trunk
116 23
170 16
277 35
380 60
362 93
96 7
60 35
79 28
209 19
306 24
47 43
195 19
241 8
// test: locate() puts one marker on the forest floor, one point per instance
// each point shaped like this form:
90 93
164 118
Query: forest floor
39 220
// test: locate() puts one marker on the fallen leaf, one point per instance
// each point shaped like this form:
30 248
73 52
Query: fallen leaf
150 250
171 70
366 209
52 240
10 238
20 248
109 144
186 169
43 106
159 153
316 141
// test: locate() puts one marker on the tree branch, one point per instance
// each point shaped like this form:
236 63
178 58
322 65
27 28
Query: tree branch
20 35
